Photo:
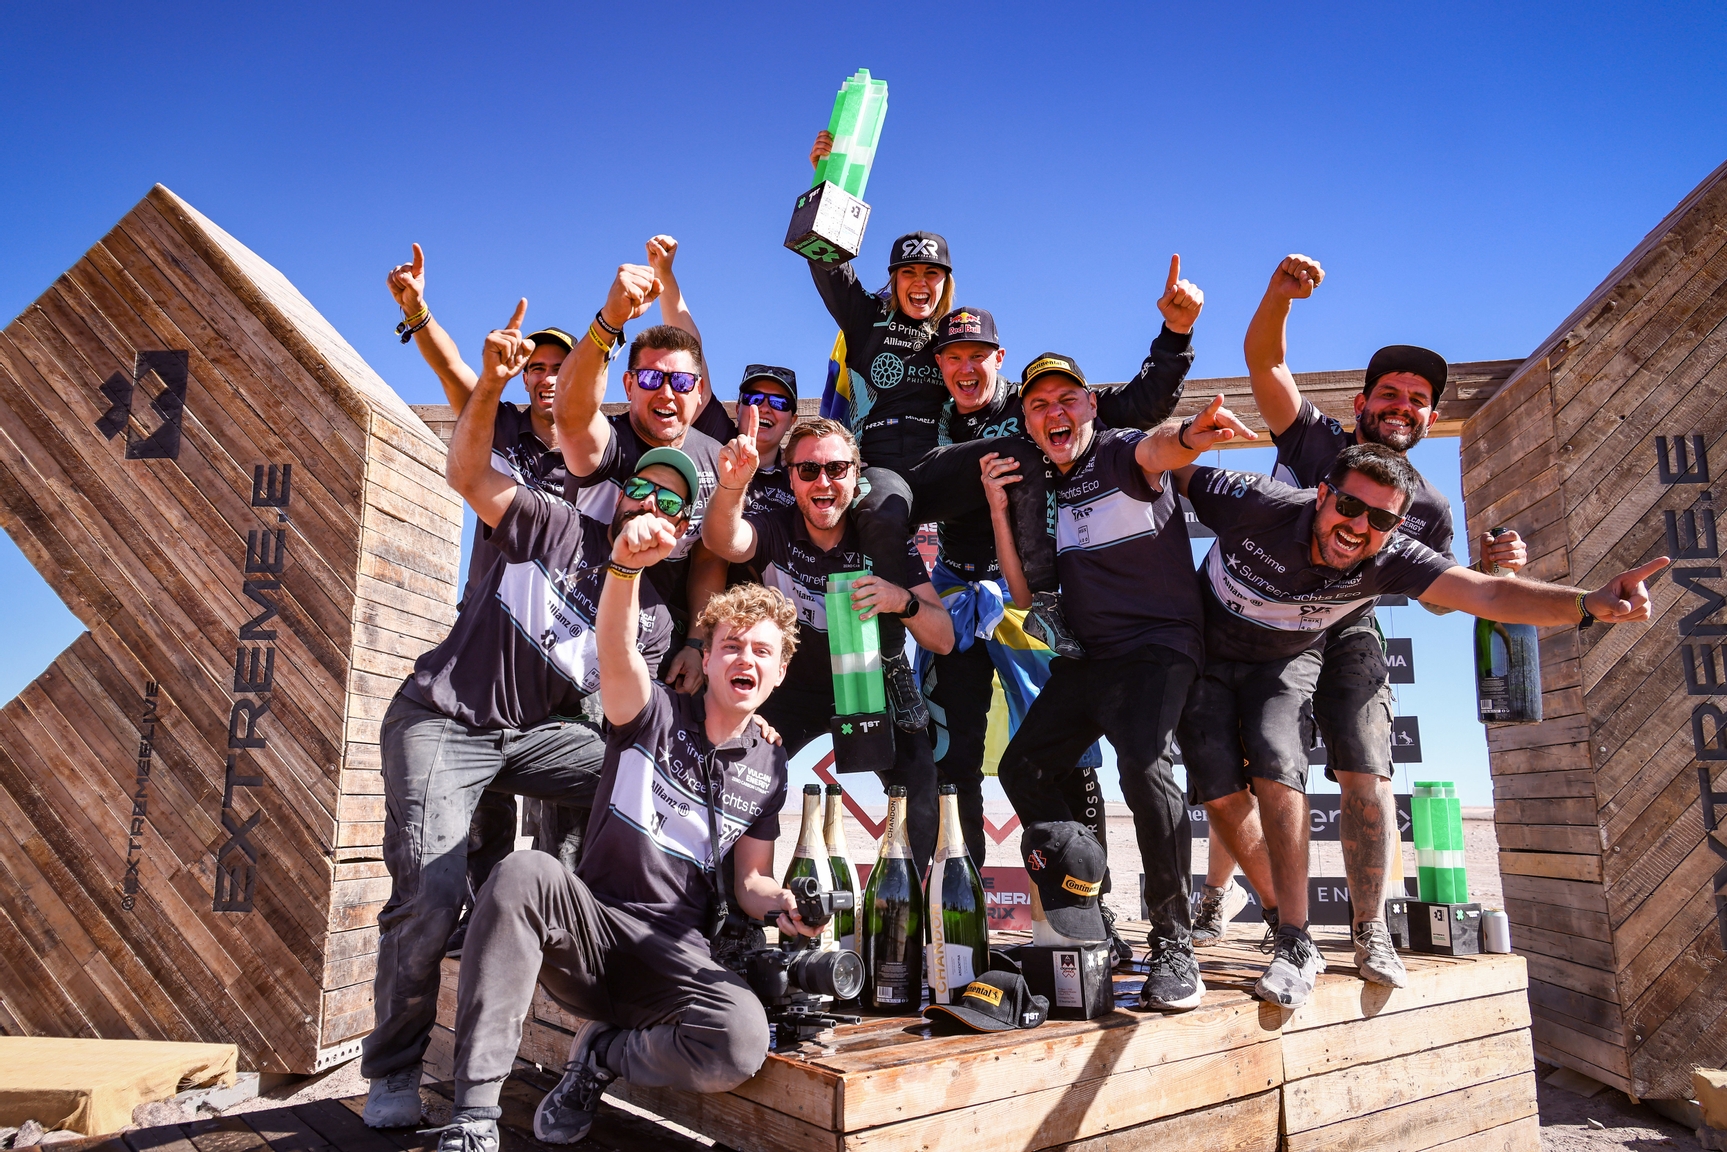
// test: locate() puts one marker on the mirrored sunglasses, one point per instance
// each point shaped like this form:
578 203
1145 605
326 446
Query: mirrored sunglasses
651 379
772 399
668 502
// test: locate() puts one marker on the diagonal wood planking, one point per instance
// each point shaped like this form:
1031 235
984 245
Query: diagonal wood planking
1609 875
152 556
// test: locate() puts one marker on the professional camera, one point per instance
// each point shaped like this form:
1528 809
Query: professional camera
797 980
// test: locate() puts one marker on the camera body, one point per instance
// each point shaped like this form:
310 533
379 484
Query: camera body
797 980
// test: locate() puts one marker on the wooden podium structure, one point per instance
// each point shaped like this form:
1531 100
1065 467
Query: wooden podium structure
256 531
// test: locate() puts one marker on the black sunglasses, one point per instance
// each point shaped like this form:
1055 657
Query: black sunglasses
650 380
1349 507
772 399
808 470
668 502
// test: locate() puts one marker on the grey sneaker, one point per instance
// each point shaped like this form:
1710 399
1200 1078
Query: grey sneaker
567 1112
1295 965
1217 907
1045 624
907 705
1377 957
1172 984
466 1136
394 1101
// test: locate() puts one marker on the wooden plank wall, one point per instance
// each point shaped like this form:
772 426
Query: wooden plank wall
1610 876
189 848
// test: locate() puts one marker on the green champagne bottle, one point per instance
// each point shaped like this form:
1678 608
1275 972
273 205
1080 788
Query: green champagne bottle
893 919
958 919
840 861
1507 668
810 857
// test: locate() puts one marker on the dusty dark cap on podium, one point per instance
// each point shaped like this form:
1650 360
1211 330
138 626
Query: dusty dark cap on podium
1424 362
553 336
1048 364
1068 865
920 248
994 1002
784 377
965 326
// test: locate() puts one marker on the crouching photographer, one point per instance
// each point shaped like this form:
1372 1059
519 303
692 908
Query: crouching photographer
623 943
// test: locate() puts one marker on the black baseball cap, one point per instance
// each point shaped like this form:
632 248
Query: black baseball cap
994 1002
920 248
1424 362
553 336
1068 866
965 325
1046 362
784 377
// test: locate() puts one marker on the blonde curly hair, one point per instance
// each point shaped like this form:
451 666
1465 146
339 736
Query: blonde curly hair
743 606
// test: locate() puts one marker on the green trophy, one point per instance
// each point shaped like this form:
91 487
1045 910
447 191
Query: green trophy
862 730
828 222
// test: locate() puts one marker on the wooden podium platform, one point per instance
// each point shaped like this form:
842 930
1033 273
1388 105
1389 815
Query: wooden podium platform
1445 1063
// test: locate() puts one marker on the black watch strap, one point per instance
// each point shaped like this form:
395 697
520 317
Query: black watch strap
912 608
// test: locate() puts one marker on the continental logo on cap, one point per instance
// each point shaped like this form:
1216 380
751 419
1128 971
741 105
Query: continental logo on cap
1080 888
1048 364
978 990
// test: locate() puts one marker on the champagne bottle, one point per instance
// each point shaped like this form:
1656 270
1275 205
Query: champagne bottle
958 919
810 857
1507 669
840 861
893 918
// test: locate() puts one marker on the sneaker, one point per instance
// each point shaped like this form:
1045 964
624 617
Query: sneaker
1045 624
1295 965
1172 983
394 1101
1120 951
458 937
466 1136
1377 957
1272 923
907 704
1217 907
568 1110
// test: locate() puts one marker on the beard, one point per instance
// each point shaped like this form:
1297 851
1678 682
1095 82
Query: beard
1372 430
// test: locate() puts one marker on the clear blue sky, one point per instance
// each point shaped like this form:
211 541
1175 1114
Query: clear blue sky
1466 172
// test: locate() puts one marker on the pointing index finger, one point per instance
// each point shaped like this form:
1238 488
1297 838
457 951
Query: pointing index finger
520 314
1174 274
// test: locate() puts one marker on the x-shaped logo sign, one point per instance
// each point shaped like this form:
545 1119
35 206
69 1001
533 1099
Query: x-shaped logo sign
824 770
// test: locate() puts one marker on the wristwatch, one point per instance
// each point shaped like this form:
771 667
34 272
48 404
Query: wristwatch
911 609
695 642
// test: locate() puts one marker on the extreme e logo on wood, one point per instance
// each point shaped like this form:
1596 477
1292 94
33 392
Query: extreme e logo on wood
256 533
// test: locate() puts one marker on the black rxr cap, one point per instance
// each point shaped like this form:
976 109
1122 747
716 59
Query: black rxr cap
965 325
920 248
784 377
1424 362
1068 865
994 1002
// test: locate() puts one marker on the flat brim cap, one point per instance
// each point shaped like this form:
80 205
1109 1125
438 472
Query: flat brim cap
965 326
673 458
1068 865
553 336
1424 362
1046 363
920 248
994 1002
784 377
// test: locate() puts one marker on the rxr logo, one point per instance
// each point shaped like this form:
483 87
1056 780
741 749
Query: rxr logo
924 249
162 376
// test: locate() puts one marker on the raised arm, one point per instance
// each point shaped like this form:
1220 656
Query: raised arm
468 466
1267 344
625 681
707 579
582 430
725 532
674 309
407 284
1148 399
1176 443
1621 600
998 472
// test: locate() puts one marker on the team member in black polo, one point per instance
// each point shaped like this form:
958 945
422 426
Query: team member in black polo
1287 566
689 787
796 550
1127 581
1352 700
490 707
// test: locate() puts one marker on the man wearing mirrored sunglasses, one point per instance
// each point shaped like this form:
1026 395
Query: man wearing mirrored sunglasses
1398 403
1288 565
796 549
495 706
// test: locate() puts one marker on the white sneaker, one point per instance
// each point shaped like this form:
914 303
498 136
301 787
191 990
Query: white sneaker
1377 956
394 1101
1217 907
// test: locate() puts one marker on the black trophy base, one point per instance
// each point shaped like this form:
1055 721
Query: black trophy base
827 225
863 742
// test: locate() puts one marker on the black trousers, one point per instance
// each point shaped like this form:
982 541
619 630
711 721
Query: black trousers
801 719
947 484
1136 701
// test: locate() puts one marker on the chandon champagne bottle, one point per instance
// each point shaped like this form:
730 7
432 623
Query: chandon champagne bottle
840 860
1507 670
893 919
810 857
958 919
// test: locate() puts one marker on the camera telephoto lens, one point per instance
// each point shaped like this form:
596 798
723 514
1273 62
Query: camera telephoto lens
837 974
